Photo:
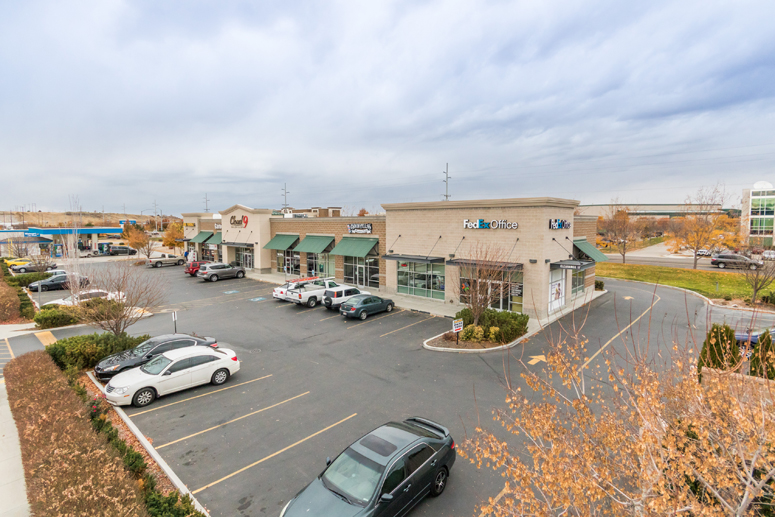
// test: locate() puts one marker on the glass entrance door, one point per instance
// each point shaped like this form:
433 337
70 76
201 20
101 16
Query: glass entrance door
360 275
247 261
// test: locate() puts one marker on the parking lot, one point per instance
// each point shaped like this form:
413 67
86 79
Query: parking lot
311 383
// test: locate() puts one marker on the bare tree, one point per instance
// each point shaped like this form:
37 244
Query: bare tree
19 247
760 278
619 228
133 294
482 281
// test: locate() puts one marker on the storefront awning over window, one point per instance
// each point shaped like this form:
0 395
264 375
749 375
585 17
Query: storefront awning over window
281 242
201 237
505 266
589 250
577 265
354 247
217 239
415 258
314 244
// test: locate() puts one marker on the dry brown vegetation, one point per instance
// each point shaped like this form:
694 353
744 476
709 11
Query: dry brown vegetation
69 469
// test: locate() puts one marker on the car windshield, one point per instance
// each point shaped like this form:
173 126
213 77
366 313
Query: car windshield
155 365
145 347
354 476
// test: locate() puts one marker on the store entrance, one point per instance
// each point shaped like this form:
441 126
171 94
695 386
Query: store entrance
360 276
247 260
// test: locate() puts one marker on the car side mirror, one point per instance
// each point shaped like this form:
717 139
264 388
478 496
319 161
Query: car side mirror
168 372
385 498
328 461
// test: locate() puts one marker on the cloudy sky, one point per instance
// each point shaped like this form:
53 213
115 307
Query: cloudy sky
358 103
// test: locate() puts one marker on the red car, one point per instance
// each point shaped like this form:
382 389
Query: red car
193 267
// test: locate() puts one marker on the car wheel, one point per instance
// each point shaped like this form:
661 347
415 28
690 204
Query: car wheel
389 307
143 397
192 274
439 482
158 264
328 307
753 267
240 274
43 288
220 376
364 315
180 262
312 302
22 270
721 265
214 278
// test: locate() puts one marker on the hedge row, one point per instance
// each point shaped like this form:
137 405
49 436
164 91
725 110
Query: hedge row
86 351
25 279
9 303
509 325
56 316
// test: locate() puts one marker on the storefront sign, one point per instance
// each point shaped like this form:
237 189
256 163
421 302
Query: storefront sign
481 224
570 266
559 224
31 234
237 222
189 225
218 226
516 289
359 228
212 246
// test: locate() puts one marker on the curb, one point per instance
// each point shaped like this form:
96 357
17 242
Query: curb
695 293
183 489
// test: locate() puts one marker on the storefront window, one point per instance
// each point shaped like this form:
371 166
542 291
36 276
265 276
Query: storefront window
280 261
577 283
320 264
244 257
362 272
761 226
292 262
504 290
556 289
418 279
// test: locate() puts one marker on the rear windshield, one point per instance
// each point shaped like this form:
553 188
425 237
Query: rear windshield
330 294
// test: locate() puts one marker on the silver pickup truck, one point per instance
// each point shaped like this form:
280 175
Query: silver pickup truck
166 260
310 294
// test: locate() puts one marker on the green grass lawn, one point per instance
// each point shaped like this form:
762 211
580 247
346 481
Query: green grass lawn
703 282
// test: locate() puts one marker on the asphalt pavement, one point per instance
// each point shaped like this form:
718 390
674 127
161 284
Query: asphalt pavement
312 383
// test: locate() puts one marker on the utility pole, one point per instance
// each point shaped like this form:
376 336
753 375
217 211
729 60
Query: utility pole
207 209
285 195
446 183
155 220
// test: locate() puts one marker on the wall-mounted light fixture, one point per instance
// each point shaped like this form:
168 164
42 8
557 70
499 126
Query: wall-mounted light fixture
533 261
547 260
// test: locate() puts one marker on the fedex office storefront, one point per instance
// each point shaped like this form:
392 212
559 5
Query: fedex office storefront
540 258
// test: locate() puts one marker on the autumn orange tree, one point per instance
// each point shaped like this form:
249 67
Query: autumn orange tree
620 228
140 241
637 436
173 236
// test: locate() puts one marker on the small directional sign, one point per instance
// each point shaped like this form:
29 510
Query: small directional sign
230 292
457 325
535 359
257 299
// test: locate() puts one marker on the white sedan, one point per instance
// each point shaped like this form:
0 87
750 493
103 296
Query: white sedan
87 295
170 372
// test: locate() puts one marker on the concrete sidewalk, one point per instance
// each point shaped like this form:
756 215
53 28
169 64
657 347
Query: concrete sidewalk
13 491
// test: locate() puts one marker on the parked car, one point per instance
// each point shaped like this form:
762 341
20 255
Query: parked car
193 267
280 292
734 261
166 259
310 294
335 297
172 371
88 252
363 305
122 250
17 262
55 272
704 252
33 268
385 473
56 282
742 336
83 296
218 270
147 350
768 255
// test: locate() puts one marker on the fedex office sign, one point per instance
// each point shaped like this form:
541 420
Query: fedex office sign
559 224
481 224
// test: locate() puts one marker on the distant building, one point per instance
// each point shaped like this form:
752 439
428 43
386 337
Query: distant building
758 214
654 211
315 211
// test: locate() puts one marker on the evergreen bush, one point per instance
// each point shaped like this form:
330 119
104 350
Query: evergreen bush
763 357
58 317
509 325
86 351
719 350
599 285
26 279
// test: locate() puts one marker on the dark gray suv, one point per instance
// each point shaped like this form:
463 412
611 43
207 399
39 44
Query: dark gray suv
732 260
218 271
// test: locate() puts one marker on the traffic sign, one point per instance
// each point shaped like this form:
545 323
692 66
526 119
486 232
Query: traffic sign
457 325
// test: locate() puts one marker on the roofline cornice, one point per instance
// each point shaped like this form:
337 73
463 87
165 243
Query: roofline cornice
550 202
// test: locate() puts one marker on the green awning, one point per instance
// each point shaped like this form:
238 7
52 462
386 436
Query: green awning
314 244
354 247
201 237
589 250
281 242
217 239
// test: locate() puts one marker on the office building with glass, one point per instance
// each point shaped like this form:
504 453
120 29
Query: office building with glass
757 218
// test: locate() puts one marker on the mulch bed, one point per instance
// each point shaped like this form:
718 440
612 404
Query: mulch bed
443 342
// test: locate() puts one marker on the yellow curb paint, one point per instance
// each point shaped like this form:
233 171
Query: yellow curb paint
46 338
231 421
243 469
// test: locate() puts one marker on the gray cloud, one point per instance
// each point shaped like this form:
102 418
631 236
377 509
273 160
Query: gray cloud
357 103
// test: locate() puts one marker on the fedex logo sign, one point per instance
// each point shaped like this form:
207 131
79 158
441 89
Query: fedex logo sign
479 224
559 224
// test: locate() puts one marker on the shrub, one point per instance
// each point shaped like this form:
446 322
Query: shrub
87 351
449 336
494 334
9 303
509 325
763 357
728 297
26 308
57 317
599 285
719 350
26 279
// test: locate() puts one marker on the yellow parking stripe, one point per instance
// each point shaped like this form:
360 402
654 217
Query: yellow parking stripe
10 351
243 469
46 338
192 398
231 421
287 304
376 319
402 328
337 315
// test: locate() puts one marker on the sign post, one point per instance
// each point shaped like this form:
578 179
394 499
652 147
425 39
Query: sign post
175 320
457 327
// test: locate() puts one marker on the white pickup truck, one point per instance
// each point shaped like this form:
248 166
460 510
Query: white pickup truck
310 294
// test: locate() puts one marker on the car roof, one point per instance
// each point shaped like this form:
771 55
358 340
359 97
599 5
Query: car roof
179 353
398 434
